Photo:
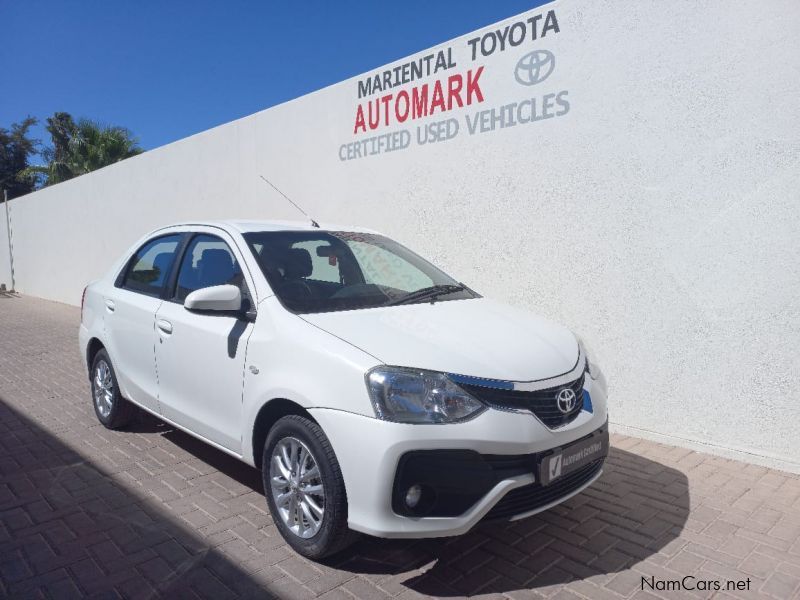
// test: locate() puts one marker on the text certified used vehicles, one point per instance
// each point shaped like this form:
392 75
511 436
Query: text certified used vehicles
375 393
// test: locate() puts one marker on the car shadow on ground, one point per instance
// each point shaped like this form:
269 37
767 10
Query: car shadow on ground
70 529
636 508
232 467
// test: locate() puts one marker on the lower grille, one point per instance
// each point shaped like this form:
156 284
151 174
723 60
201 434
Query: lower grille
536 495
541 403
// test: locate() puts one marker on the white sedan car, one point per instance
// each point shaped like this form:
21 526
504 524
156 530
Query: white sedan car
375 393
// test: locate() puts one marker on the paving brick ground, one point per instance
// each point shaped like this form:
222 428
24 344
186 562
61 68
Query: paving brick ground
150 512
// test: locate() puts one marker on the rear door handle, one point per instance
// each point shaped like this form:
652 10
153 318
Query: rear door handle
164 326
110 304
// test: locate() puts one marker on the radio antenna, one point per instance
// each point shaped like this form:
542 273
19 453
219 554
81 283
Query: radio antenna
305 214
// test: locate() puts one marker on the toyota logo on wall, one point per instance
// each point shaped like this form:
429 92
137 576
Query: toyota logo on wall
566 400
535 67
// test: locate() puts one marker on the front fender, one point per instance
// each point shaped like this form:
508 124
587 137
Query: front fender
291 359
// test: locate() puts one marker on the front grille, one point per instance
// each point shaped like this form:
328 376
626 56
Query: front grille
541 403
536 495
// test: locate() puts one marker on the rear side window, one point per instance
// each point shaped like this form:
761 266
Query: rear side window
149 267
208 261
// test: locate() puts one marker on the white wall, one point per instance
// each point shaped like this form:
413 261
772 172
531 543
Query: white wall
5 264
658 217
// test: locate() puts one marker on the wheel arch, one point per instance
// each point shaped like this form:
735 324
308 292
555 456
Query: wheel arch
92 348
267 416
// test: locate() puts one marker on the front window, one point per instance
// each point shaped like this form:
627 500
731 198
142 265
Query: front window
326 271
208 261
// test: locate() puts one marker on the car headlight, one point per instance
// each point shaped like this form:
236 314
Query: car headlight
591 368
417 396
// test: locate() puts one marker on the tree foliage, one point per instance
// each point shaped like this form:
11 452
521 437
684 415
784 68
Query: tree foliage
81 147
16 148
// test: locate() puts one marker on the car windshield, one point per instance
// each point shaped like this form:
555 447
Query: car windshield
323 271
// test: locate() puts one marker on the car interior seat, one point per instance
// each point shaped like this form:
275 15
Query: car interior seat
215 267
161 264
297 264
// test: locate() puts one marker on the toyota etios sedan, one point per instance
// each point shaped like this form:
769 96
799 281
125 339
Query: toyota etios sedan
375 393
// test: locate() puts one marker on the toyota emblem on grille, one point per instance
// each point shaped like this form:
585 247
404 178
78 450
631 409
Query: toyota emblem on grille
566 400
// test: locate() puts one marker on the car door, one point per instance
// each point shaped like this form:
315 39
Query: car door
130 314
201 356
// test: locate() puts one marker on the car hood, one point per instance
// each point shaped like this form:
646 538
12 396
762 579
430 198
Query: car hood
475 337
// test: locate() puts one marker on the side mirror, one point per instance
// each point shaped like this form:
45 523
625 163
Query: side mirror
217 298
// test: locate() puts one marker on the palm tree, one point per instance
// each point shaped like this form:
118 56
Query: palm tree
16 149
80 148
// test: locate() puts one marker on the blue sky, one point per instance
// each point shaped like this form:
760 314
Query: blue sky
169 69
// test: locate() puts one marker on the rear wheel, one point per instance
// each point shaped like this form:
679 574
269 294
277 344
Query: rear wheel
112 410
304 488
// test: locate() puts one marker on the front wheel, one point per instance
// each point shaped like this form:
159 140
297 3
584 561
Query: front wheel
304 488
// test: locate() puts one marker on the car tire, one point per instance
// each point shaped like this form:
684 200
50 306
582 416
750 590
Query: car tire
112 410
313 535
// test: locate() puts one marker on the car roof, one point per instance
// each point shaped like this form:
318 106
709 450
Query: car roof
245 226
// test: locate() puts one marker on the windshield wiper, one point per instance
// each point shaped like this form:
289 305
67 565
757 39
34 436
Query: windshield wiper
431 293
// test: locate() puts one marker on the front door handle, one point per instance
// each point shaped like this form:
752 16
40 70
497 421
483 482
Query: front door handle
110 305
164 326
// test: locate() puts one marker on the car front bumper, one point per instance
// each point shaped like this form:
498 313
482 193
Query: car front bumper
369 452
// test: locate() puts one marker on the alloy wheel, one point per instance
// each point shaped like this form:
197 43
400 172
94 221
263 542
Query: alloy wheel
297 488
103 389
